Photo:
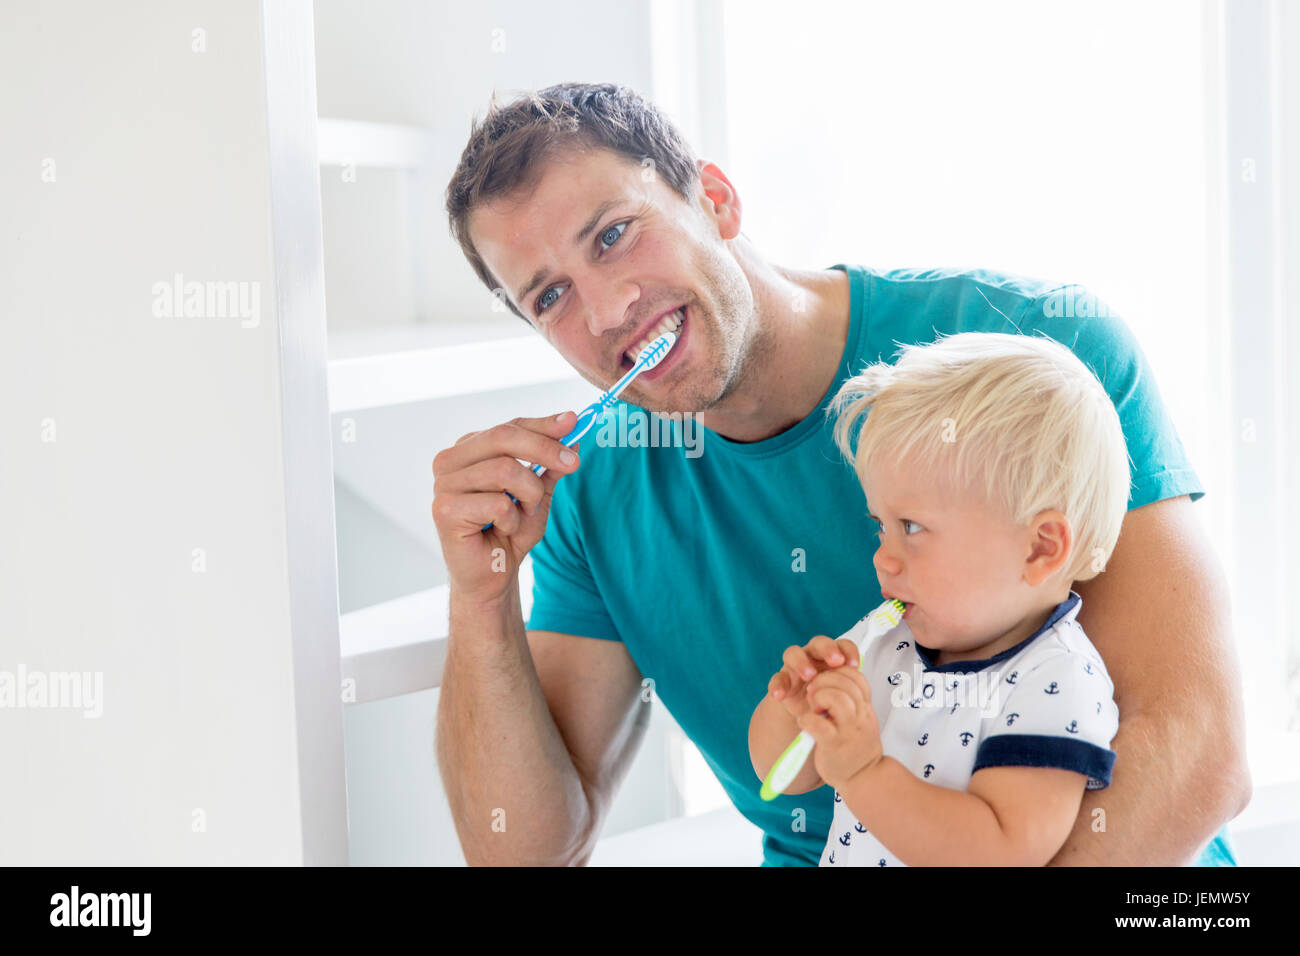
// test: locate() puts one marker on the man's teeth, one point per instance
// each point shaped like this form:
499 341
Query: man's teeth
670 323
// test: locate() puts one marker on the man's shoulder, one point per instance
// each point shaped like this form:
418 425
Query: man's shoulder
947 282
911 305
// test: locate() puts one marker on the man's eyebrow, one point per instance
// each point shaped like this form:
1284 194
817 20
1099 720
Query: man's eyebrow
583 233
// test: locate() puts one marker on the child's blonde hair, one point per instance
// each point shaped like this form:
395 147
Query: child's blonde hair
1016 418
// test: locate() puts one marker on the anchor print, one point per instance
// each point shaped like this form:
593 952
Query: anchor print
859 827
902 644
881 863
1051 688
845 839
1072 727
965 738
1087 668
894 678
924 738
832 860
929 769
914 702
838 798
1011 678
1011 719
1099 707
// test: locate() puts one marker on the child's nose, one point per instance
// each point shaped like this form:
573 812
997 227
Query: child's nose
885 562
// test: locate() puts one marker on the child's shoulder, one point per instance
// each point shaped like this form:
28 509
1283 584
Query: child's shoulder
1063 653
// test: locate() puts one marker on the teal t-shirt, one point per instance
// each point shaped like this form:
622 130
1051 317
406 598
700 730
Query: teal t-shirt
708 557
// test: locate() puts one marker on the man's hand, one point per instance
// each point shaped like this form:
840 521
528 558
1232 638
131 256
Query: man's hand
470 479
843 722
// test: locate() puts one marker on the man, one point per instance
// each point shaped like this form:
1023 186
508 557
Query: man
584 211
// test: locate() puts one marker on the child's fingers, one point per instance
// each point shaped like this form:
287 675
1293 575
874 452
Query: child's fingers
832 703
845 681
819 728
779 685
798 664
850 651
823 649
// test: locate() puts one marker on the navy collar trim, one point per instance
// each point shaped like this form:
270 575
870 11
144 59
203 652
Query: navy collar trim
928 655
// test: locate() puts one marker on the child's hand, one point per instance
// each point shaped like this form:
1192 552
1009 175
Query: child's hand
842 720
803 664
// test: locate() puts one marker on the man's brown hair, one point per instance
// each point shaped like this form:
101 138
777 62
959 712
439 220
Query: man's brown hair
508 149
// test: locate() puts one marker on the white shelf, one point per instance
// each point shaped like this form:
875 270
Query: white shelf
399 364
378 145
397 647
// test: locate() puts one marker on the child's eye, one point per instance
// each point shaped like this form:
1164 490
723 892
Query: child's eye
907 521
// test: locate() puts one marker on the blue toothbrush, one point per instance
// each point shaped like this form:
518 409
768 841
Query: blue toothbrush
649 357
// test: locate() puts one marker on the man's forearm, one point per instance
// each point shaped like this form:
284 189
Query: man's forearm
924 824
515 796
1173 788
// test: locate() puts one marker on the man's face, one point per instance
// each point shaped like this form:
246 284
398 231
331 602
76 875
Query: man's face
643 252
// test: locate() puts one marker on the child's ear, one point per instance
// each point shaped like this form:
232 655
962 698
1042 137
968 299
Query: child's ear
1051 541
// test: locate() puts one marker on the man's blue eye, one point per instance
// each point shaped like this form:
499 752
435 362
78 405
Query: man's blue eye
620 227
542 304
542 299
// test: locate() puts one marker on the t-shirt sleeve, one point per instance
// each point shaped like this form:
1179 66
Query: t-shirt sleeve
1158 463
1061 713
566 598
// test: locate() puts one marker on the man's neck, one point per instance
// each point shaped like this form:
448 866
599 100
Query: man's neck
802 324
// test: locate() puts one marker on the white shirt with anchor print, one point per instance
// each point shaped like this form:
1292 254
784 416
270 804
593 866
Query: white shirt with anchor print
1047 702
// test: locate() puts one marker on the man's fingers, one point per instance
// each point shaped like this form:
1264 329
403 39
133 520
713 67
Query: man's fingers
496 474
473 511
534 440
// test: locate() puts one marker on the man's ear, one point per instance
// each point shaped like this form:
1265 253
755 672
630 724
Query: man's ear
721 202
1051 542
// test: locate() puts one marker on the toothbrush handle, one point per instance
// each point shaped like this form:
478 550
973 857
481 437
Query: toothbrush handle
787 766
586 418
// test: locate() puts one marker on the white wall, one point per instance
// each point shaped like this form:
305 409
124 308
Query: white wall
147 540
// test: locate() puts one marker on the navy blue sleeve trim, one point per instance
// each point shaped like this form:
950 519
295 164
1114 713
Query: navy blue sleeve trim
1039 750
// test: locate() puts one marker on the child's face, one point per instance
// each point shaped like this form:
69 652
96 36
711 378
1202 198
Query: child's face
956 563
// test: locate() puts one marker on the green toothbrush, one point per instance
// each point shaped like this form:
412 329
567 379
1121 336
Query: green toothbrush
880 621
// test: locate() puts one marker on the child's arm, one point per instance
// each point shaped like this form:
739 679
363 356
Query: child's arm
1010 816
775 721
770 731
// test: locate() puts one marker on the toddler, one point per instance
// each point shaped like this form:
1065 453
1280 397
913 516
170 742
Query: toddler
996 469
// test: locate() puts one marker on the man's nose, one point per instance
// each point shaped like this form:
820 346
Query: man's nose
608 303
